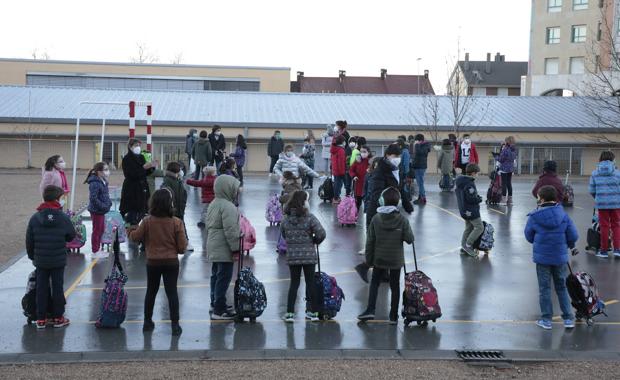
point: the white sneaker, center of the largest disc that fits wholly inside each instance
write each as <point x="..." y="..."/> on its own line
<point x="190" y="247"/>
<point x="362" y="251"/>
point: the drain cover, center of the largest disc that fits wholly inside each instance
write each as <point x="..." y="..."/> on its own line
<point x="481" y="356"/>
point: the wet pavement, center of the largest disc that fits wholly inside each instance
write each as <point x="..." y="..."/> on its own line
<point x="489" y="303"/>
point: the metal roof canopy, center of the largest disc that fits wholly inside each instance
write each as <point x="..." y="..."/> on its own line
<point x="297" y="110"/>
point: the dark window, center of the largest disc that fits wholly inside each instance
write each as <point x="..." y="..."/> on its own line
<point x="491" y="91"/>
<point x="229" y="85"/>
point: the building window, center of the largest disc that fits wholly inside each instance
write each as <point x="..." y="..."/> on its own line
<point x="576" y="65"/>
<point x="580" y="5"/>
<point x="552" y="66"/>
<point x="553" y="35"/>
<point x="554" y="6"/>
<point x="578" y="33"/>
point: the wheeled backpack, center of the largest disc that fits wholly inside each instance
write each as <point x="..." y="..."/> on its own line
<point x="29" y="301"/>
<point x="273" y="212"/>
<point x="80" y="233"/>
<point x="486" y="239"/>
<point x="584" y="296"/>
<point x="329" y="293"/>
<point x="113" y="307"/>
<point x="326" y="190"/>
<point x="494" y="193"/>
<point x="250" y="296"/>
<point x="346" y="212"/>
<point x="420" y="300"/>
<point x="281" y="245"/>
<point x="568" y="194"/>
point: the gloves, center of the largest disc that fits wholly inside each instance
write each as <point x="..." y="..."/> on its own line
<point x="574" y="251"/>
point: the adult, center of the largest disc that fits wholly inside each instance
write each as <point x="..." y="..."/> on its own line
<point x="326" y="143"/>
<point x="289" y="162"/>
<point x="420" y="162"/>
<point x="275" y="147"/>
<point x="53" y="174"/>
<point x="218" y="145"/>
<point x="135" y="191"/>
<point x="507" y="157"/>
<point x="202" y="152"/>
<point x="455" y="144"/>
<point x="465" y="153"/>
<point x="605" y="189"/>
<point x="385" y="175"/>
<point x="307" y="155"/>
<point x="550" y="178"/>
<point x="190" y="140"/>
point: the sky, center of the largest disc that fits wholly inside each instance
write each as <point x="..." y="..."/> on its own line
<point x="318" y="37"/>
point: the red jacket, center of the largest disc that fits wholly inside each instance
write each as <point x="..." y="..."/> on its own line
<point x="358" y="169"/>
<point x="550" y="179"/>
<point x="473" y="155"/>
<point x="338" y="160"/>
<point x="207" y="187"/>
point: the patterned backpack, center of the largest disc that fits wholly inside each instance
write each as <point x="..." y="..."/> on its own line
<point x="113" y="297"/>
<point x="248" y="232"/>
<point x="249" y="295"/>
<point x="347" y="211"/>
<point x="80" y="238"/>
<point x="273" y="214"/>
<point x="114" y="222"/>
<point x="486" y="239"/>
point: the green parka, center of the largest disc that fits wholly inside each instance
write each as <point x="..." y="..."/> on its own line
<point x="386" y="234"/>
<point x="223" y="221"/>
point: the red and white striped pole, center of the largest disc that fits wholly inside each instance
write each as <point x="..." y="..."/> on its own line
<point x="149" y="127"/>
<point x="132" y="119"/>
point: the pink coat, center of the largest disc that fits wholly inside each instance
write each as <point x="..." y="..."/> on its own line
<point x="53" y="177"/>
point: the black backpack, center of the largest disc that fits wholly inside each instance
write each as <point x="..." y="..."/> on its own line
<point x="326" y="190"/>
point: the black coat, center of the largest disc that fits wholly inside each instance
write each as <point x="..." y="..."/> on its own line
<point x="275" y="147"/>
<point x="381" y="179"/>
<point x="135" y="193"/>
<point x="47" y="235"/>
<point x="467" y="197"/>
<point x="218" y="146"/>
<point x="420" y="157"/>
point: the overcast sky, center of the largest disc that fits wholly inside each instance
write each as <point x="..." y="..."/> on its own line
<point x="318" y="37"/>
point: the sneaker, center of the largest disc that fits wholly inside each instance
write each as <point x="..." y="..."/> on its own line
<point x="417" y="201"/>
<point x="201" y="225"/>
<point x="366" y="316"/>
<point x="225" y="316"/>
<point x="312" y="316"/>
<point x="616" y="252"/>
<point x="362" y="270"/>
<point x="59" y="322"/>
<point x="362" y="251"/>
<point x="190" y="247"/>
<point x="41" y="324"/>
<point x="176" y="329"/>
<point x="289" y="318"/>
<point x="148" y="325"/>
<point x="336" y="201"/>
<point x="229" y="308"/>
<point x="469" y="250"/>
<point x="393" y="318"/>
<point x="602" y="254"/>
<point x="569" y="324"/>
<point x="544" y="324"/>
<point x="509" y="200"/>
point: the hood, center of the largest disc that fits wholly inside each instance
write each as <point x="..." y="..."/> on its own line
<point x="48" y="216"/>
<point x="288" y="182"/>
<point x="447" y="148"/>
<point x="93" y="178"/>
<point x="389" y="218"/>
<point x="548" y="217"/>
<point x="548" y="174"/>
<point x="226" y="187"/>
<point x="49" y="205"/>
<point x="172" y="175"/>
<point x="605" y="168"/>
<point x="463" y="180"/>
<point x="202" y="141"/>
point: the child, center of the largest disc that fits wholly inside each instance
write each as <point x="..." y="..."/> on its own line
<point x="53" y="173"/>
<point x="99" y="202"/>
<point x="338" y="166"/>
<point x="302" y="231"/>
<point x="605" y="189"/>
<point x="239" y="156"/>
<point x="469" y="206"/>
<point x="445" y="161"/>
<point x="552" y="232"/>
<point x="164" y="237"/>
<point x="357" y="172"/>
<point x="307" y="155"/>
<point x="223" y="234"/>
<point x="290" y="184"/>
<point x="384" y="251"/>
<point x="229" y="167"/>
<point x="47" y="235"/>
<point x="173" y="182"/>
<point x="207" y="191"/>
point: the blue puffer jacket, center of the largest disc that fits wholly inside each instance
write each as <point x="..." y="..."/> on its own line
<point x="605" y="186"/>
<point x="99" y="196"/>
<point x="507" y="158"/>
<point x="552" y="232"/>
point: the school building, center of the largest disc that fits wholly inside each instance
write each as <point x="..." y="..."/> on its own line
<point x="39" y="121"/>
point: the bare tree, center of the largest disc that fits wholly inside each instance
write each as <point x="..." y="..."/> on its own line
<point x="144" y="55"/>
<point x="430" y="110"/>
<point x="36" y="55"/>
<point x="177" y="59"/>
<point x="29" y="130"/>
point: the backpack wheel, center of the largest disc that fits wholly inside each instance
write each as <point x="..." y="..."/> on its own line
<point x="407" y="322"/>
<point x="590" y="321"/>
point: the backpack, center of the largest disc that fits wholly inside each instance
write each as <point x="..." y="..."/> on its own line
<point x="273" y="213"/>
<point x="494" y="193"/>
<point x="250" y="297"/>
<point x="420" y="299"/>
<point x="29" y="300"/>
<point x="114" y="222"/>
<point x="113" y="297"/>
<point x="248" y="232"/>
<point x="347" y="211"/>
<point x="80" y="229"/>
<point x="568" y="194"/>
<point x="584" y="295"/>
<point x="329" y="293"/>
<point x="485" y="240"/>
<point x="326" y="190"/>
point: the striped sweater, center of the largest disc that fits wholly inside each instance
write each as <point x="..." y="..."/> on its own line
<point x="605" y="186"/>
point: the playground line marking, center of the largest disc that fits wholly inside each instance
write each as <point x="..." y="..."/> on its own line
<point x="80" y="278"/>
<point x="444" y="210"/>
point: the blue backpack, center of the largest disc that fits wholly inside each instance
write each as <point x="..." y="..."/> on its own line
<point x="113" y="298"/>
<point x="329" y="293"/>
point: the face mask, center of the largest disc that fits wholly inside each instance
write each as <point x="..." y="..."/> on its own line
<point x="195" y="135"/>
<point x="306" y="205"/>
<point x="364" y="155"/>
<point x="352" y="145"/>
<point x="106" y="173"/>
<point x="395" y="161"/>
<point x="467" y="141"/>
<point x="61" y="164"/>
<point x="62" y="203"/>
<point x="278" y="136"/>
<point x="289" y="154"/>
<point x="358" y="158"/>
<point x="217" y="133"/>
<point x="336" y="129"/>
<point x="181" y="174"/>
<point x="136" y="150"/>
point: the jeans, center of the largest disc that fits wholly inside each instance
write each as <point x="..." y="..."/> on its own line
<point x="197" y="172"/>
<point x="308" y="270"/>
<point x="545" y="274"/>
<point x="338" y="182"/>
<point x="98" y="228"/>
<point x="507" y="184"/>
<point x="377" y="275"/>
<point x="445" y="180"/>
<point x="609" y="219"/>
<point x="43" y="289"/>
<point x="221" y="274"/>
<point x="419" y="178"/>
<point x="240" y="173"/>
<point x="274" y="159"/>
<point x="154" y="273"/>
<point x="473" y="230"/>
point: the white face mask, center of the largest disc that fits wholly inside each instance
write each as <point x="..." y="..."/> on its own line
<point x="364" y="154"/>
<point x="352" y="145"/>
<point x="61" y="165"/>
<point x="467" y="141"/>
<point x="181" y="174"/>
<point x="217" y="133"/>
<point x="289" y="154"/>
<point x="307" y="205"/>
<point x="336" y="129"/>
<point x="395" y="161"/>
<point x="106" y="173"/>
<point x="136" y="150"/>
<point x="62" y="203"/>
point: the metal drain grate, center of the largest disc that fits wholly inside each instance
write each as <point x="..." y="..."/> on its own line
<point x="481" y="356"/>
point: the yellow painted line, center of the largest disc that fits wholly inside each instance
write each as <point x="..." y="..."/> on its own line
<point x="80" y="278"/>
<point x="607" y="303"/>
<point x="444" y="210"/>
<point x="495" y="210"/>
<point x="578" y="207"/>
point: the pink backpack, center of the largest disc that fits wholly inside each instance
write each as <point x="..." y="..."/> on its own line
<point x="347" y="211"/>
<point x="249" y="234"/>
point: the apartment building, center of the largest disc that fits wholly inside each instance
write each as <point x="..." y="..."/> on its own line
<point x="495" y="77"/>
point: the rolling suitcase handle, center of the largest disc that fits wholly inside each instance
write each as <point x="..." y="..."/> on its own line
<point x="415" y="258"/>
<point x="116" y="250"/>
<point x="318" y="257"/>
<point x="240" y="257"/>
